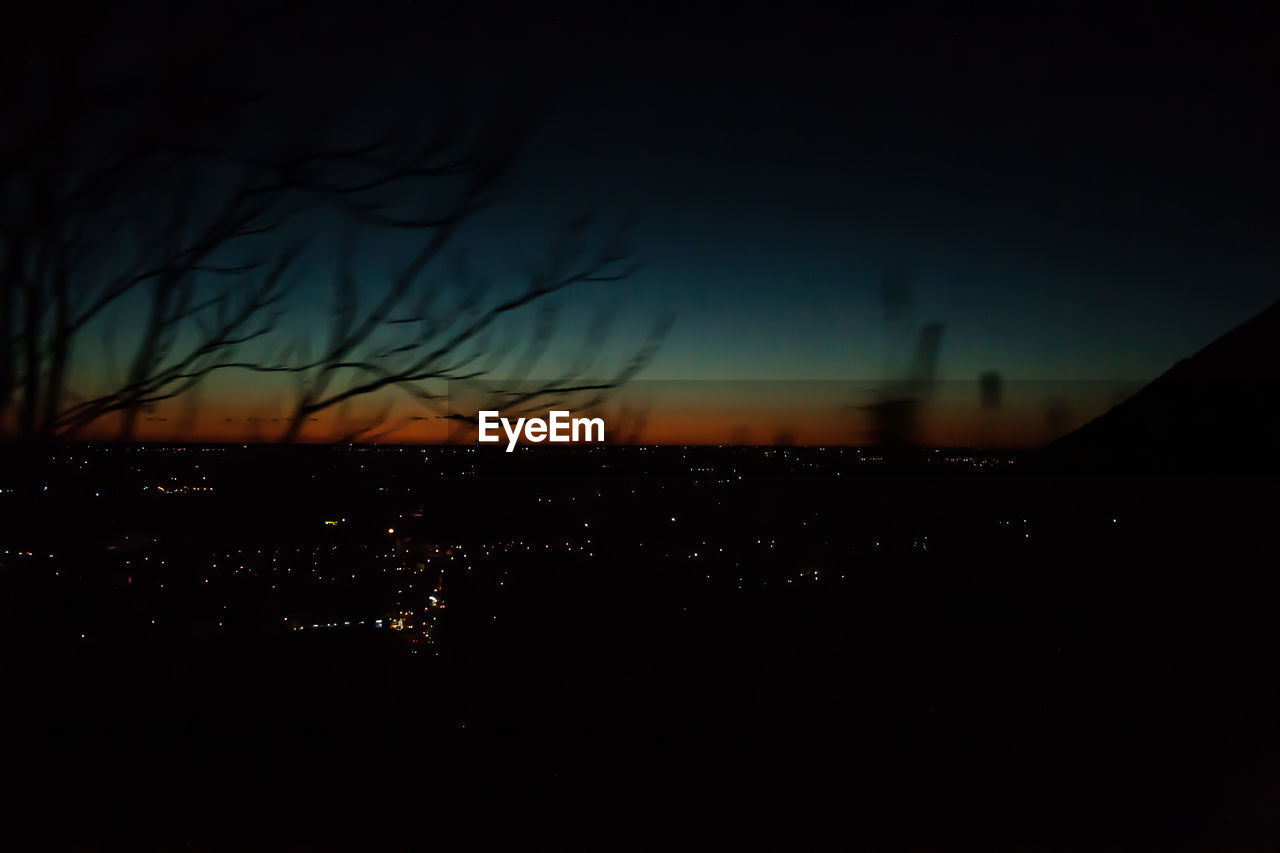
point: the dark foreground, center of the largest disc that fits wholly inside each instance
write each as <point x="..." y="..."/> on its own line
<point x="633" y="649"/>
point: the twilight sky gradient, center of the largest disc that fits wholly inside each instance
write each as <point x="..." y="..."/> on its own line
<point x="1076" y="194"/>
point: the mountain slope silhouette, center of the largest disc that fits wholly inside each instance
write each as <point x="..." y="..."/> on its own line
<point x="1216" y="411"/>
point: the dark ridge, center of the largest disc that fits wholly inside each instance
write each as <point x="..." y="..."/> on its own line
<point x="1213" y="412"/>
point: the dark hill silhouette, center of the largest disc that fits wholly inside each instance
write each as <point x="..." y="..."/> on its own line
<point x="1216" y="411"/>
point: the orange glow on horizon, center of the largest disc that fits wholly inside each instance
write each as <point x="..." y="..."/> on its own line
<point x="739" y="427"/>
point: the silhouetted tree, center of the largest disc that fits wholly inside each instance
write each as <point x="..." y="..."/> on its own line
<point x="134" y="193"/>
<point x="412" y="339"/>
<point x="895" y="412"/>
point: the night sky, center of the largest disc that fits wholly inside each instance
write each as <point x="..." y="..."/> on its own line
<point x="1076" y="194"/>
